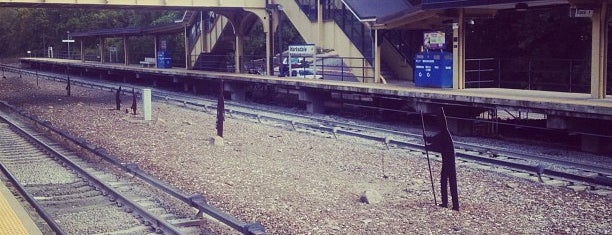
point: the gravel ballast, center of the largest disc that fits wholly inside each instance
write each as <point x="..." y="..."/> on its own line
<point x="298" y="183"/>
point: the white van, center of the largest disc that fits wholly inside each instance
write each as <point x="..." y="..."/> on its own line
<point x="305" y="73"/>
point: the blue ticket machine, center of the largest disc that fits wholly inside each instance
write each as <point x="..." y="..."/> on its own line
<point x="164" y="59"/>
<point x="433" y="69"/>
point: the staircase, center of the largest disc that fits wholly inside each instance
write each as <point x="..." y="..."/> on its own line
<point x="350" y="38"/>
<point x="221" y="40"/>
<point x="345" y="35"/>
<point x="397" y="51"/>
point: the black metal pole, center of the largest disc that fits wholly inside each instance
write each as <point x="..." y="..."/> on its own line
<point x="428" y="163"/>
<point x="36" y="67"/>
<point x="68" y="85"/>
<point x="118" y="99"/>
<point x="133" y="101"/>
<point x="220" y="110"/>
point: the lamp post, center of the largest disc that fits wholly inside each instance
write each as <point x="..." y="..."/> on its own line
<point x="68" y="40"/>
<point x="280" y="40"/>
<point x="68" y="32"/>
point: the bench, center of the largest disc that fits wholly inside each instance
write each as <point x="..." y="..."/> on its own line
<point x="148" y="62"/>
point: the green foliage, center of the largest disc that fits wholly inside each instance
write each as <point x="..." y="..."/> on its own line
<point x="256" y="45"/>
<point x="35" y="29"/>
<point x="290" y="34"/>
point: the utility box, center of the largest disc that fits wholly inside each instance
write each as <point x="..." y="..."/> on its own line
<point x="164" y="59"/>
<point x="146" y="104"/>
<point x="433" y="69"/>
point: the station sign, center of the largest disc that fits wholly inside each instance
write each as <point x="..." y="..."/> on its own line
<point x="68" y="40"/>
<point x="302" y="50"/>
<point x="435" y="40"/>
<point x="581" y="13"/>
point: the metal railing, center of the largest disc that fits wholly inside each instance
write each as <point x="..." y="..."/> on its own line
<point x="481" y="72"/>
<point x="565" y="75"/>
<point x="211" y="62"/>
<point x="195" y="32"/>
<point x="335" y="10"/>
<point x="352" y="69"/>
<point x="311" y="8"/>
<point x="406" y="43"/>
<point x="355" y="30"/>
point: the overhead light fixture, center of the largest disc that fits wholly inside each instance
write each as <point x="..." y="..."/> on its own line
<point x="521" y="6"/>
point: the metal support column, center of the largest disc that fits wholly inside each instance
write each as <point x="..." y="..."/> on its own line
<point x="319" y="24"/>
<point x="239" y="51"/>
<point x="377" y="48"/>
<point x="203" y="32"/>
<point x="599" y="51"/>
<point x="187" y="49"/>
<point x="156" y="41"/>
<point x="268" y="32"/>
<point x="82" y="51"/>
<point x="126" y="53"/>
<point x="101" y="47"/>
<point x="459" y="52"/>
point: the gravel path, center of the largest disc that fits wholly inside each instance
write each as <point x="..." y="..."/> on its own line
<point x="296" y="183"/>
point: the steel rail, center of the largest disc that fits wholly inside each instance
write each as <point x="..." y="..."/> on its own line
<point x="357" y="131"/>
<point x="153" y="220"/>
<point x="197" y="201"/>
<point x="39" y="209"/>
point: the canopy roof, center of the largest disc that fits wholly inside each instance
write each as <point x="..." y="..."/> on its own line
<point x="368" y="10"/>
<point x="133" y="31"/>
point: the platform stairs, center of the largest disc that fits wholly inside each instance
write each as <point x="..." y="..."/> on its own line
<point x="219" y="49"/>
<point x="211" y="41"/>
<point x="350" y="38"/>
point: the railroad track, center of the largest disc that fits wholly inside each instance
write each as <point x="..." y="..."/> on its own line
<point x="76" y="196"/>
<point x="514" y="162"/>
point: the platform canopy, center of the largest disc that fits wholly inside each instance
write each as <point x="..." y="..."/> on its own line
<point x="489" y="4"/>
<point x="133" y="31"/>
<point x="427" y="14"/>
<point x="366" y="10"/>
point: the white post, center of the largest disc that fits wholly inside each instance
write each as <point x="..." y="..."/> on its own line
<point x="288" y="64"/>
<point x="146" y="104"/>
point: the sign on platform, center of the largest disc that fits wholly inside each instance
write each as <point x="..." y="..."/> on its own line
<point x="302" y="50"/>
<point x="434" y="40"/>
<point x="583" y="13"/>
<point x="68" y="40"/>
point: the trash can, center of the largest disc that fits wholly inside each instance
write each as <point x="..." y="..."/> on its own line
<point x="164" y="59"/>
<point x="433" y="69"/>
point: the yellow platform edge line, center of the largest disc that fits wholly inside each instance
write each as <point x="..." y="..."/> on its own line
<point x="14" y="220"/>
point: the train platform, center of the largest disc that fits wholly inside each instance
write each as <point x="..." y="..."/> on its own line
<point x="574" y="112"/>
<point x="14" y="220"/>
<point x="570" y="104"/>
